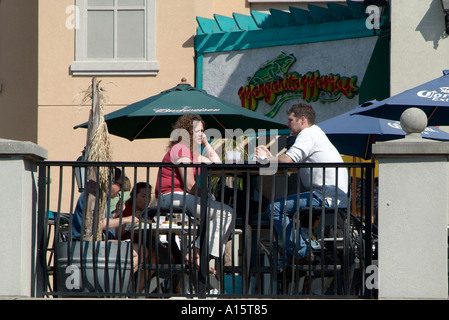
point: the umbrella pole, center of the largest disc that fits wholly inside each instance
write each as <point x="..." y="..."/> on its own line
<point x="368" y="143"/>
<point x="222" y="125"/>
<point x="143" y="128"/>
<point x="431" y="114"/>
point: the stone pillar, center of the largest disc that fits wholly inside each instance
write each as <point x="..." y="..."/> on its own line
<point x="18" y="204"/>
<point x="413" y="213"/>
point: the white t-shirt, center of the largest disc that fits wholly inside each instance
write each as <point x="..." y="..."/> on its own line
<point x="312" y="145"/>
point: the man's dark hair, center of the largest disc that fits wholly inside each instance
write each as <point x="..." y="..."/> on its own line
<point x="117" y="174"/>
<point x="303" y="109"/>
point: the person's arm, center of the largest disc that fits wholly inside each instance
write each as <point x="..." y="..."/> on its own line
<point x="284" y="158"/>
<point x="262" y="153"/>
<point x="188" y="176"/>
<point x="114" y="223"/>
<point x="180" y="154"/>
<point x="211" y="155"/>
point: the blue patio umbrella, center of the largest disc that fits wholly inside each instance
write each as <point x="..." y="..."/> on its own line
<point x="432" y="97"/>
<point x="353" y="135"/>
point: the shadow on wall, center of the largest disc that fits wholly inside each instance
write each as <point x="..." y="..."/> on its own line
<point x="432" y="25"/>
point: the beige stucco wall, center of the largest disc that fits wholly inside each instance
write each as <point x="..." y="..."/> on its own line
<point x="419" y="45"/>
<point x="18" y="70"/>
<point x="60" y="93"/>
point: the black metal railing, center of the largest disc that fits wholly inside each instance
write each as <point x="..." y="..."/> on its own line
<point x="150" y="262"/>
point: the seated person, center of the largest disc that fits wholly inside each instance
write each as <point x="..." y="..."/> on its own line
<point x="142" y="200"/>
<point x="112" y="223"/>
<point x="187" y="150"/>
<point x="310" y="146"/>
<point x="126" y="189"/>
<point x="142" y="197"/>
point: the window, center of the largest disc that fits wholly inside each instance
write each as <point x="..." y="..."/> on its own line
<point x="115" y="37"/>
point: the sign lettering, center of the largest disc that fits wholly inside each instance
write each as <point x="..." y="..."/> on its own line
<point x="272" y="81"/>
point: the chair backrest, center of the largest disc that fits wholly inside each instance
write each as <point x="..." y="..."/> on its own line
<point x="64" y="222"/>
<point x="330" y="213"/>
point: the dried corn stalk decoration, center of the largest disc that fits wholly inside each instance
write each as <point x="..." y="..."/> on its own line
<point x="98" y="149"/>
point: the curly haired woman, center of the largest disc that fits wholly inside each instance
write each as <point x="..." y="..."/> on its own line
<point x="189" y="130"/>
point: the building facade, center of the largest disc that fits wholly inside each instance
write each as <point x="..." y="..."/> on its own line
<point x="51" y="49"/>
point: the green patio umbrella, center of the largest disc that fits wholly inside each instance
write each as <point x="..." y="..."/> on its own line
<point x="153" y="117"/>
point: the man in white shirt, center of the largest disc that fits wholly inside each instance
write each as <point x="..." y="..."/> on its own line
<point x="311" y="146"/>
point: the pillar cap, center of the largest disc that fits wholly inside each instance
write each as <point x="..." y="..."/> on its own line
<point x="22" y="148"/>
<point x="413" y="122"/>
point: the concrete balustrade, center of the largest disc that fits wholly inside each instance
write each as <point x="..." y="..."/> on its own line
<point x="413" y="213"/>
<point x="18" y="204"/>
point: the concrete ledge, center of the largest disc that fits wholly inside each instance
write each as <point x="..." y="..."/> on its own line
<point x="408" y="147"/>
<point x="10" y="148"/>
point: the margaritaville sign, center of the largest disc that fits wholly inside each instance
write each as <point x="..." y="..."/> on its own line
<point x="275" y="86"/>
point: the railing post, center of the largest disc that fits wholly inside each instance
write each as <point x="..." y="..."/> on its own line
<point x="41" y="237"/>
<point x="367" y="228"/>
<point x="204" y="261"/>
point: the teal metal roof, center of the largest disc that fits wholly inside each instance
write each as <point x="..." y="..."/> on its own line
<point x="334" y="22"/>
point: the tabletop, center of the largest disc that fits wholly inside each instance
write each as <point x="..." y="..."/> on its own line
<point x="164" y="227"/>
